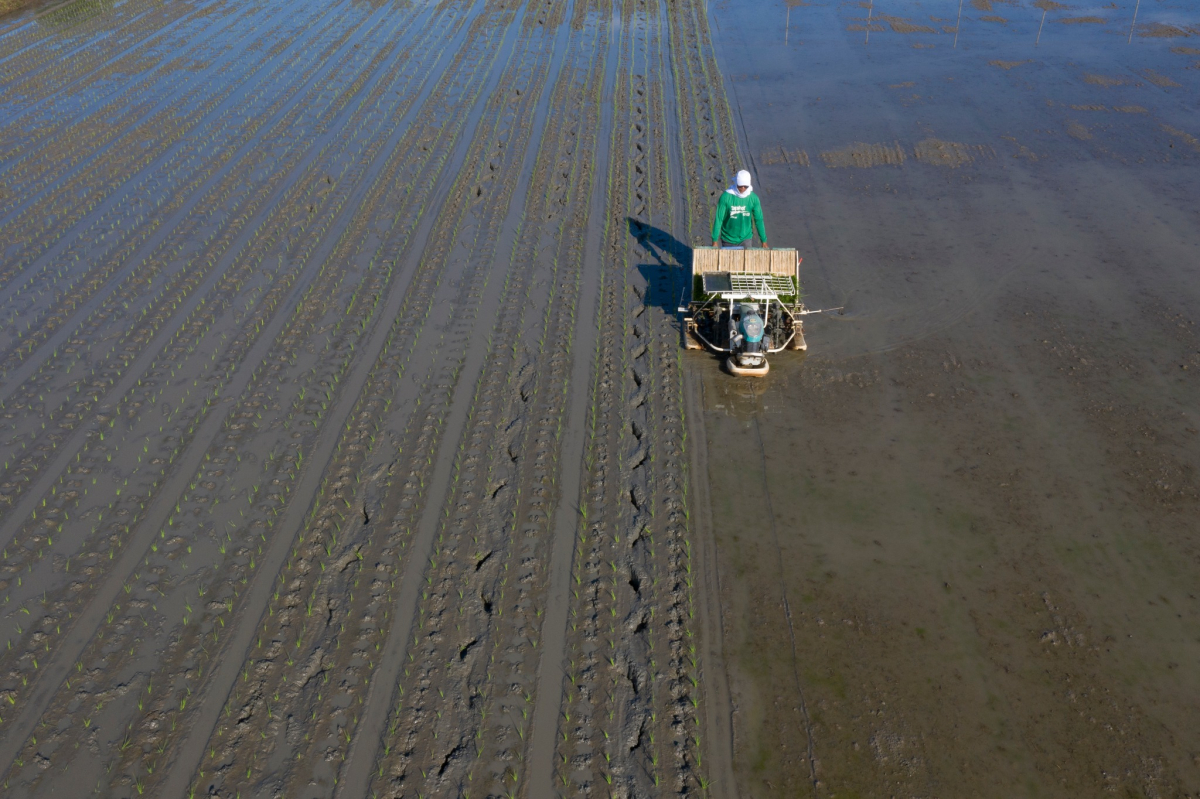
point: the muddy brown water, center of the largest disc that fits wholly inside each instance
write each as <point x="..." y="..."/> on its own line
<point x="957" y="543"/>
<point x="349" y="448"/>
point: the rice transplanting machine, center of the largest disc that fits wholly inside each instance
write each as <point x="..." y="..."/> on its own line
<point x="745" y="303"/>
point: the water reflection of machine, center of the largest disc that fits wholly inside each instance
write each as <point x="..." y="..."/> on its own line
<point x="746" y="304"/>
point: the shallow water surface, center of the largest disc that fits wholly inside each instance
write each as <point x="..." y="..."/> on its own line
<point x="957" y="542"/>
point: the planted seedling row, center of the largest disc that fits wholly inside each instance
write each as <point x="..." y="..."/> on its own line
<point x="62" y="206"/>
<point x="379" y="183"/>
<point x="48" y="43"/>
<point x="291" y="210"/>
<point x="628" y="703"/>
<point x="591" y="636"/>
<point x="113" y="91"/>
<point x="485" y="575"/>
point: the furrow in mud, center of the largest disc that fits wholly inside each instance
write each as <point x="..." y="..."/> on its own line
<point x="630" y="720"/>
<point x="339" y="642"/>
<point x="69" y="383"/>
<point x="54" y="116"/>
<point x="43" y="225"/>
<point x="62" y="42"/>
<point x="486" y="575"/>
<point x="425" y="147"/>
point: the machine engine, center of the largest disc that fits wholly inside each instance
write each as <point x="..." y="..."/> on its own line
<point x="749" y="340"/>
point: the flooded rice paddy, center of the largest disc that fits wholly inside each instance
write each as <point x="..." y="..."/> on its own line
<point x="958" y="544"/>
<point x="349" y="448"/>
<point x="343" y="443"/>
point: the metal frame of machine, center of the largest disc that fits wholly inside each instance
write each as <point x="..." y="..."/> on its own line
<point x="736" y="285"/>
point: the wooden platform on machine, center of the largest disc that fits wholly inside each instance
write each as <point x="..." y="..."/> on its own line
<point x="782" y="261"/>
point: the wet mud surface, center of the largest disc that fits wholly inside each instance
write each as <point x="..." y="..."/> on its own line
<point x="956" y="545"/>
<point x="349" y="448"/>
<point x="344" y="433"/>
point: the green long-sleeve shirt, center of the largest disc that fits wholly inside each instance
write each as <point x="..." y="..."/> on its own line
<point x="737" y="218"/>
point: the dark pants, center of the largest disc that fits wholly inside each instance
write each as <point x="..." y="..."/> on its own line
<point x="743" y="244"/>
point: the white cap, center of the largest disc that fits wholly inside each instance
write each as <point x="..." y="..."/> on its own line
<point x="743" y="178"/>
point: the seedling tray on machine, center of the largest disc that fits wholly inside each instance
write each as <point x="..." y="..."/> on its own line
<point x="731" y="269"/>
<point x="728" y="274"/>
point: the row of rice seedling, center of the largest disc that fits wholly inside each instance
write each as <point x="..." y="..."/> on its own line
<point x="330" y="633"/>
<point x="708" y="143"/>
<point x="30" y="47"/>
<point x="486" y="574"/>
<point x="178" y="449"/>
<point x="55" y="210"/>
<point x="629" y="720"/>
<point x="110" y="89"/>
<point x="229" y="206"/>
<point x="592" y="637"/>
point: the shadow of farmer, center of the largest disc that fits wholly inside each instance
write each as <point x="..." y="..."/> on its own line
<point x="666" y="264"/>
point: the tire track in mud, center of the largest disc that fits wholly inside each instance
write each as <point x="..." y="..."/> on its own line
<point x="593" y="744"/>
<point x="566" y="517"/>
<point x="630" y="717"/>
<point x="505" y="475"/>
<point x="717" y="721"/>
<point x="439" y="122"/>
<point x="499" y="198"/>
<point x="422" y="139"/>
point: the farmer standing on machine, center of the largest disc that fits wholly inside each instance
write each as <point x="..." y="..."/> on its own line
<point x="739" y="215"/>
